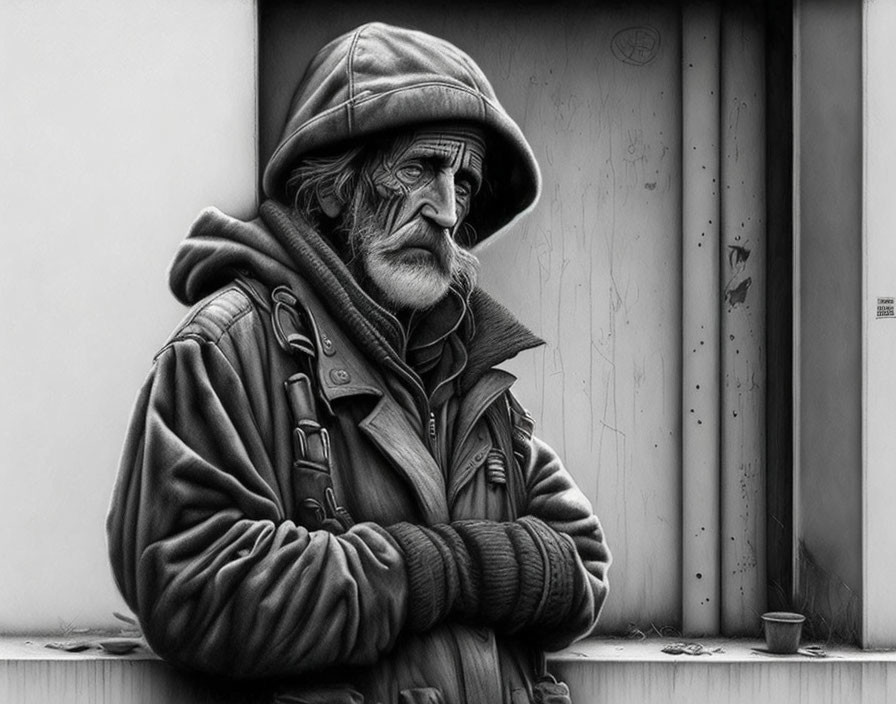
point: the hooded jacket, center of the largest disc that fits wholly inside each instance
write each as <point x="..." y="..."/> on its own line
<point x="467" y="548"/>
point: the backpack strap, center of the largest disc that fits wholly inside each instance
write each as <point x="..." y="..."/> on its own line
<point x="313" y="463"/>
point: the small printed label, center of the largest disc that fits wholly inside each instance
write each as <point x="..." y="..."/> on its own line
<point x="886" y="307"/>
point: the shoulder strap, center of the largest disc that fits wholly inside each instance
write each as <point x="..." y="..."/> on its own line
<point x="311" y="441"/>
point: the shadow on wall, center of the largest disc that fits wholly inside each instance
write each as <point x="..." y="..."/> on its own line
<point x="831" y="607"/>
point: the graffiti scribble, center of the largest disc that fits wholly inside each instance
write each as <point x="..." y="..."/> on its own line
<point x="637" y="46"/>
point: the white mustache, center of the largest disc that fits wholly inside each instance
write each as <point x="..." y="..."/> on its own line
<point x="420" y="234"/>
<point x="438" y="241"/>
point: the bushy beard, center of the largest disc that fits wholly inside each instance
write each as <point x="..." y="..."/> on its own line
<point x="411" y="268"/>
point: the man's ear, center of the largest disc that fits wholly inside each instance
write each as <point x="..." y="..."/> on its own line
<point x="330" y="205"/>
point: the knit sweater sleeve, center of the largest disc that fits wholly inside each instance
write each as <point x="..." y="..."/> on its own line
<point x="202" y="551"/>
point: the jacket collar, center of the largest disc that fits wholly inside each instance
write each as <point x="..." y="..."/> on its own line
<point x="498" y="336"/>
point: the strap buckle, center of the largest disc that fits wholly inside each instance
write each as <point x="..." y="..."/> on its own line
<point x="287" y="323"/>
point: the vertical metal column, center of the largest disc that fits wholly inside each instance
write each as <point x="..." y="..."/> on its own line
<point x="743" y="319"/>
<point x="700" y="73"/>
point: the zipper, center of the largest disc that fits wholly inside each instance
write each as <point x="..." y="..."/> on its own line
<point x="432" y="431"/>
<point x="433" y="435"/>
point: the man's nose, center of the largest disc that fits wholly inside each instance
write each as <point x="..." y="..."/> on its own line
<point x="439" y="205"/>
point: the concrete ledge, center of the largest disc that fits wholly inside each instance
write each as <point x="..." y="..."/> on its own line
<point x="598" y="671"/>
<point x="32" y="673"/>
<point x="608" y="671"/>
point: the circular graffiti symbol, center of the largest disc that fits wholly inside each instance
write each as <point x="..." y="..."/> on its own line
<point x="636" y="45"/>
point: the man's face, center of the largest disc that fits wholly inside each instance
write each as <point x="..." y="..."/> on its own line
<point x="422" y="185"/>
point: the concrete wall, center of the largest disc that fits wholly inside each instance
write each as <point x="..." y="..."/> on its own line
<point x="828" y="317"/>
<point x="120" y="121"/>
<point x="879" y="389"/>
<point x="125" y="119"/>
<point x="139" y="115"/>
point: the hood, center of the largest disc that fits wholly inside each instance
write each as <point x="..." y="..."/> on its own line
<point x="219" y="248"/>
<point x="379" y="78"/>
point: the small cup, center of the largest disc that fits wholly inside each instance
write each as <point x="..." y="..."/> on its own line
<point x="782" y="631"/>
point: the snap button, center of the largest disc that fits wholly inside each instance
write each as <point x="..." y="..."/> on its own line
<point x="327" y="344"/>
<point x="340" y="376"/>
<point x="478" y="457"/>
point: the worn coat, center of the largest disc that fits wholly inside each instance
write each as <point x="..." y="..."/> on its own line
<point x="203" y="530"/>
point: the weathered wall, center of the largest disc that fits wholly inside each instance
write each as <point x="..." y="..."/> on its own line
<point x="828" y="127"/>
<point x="879" y="339"/>
<point x="120" y="121"/>
<point x="595" y="269"/>
<point x="596" y="272"/>
<point x="158" y="121"/>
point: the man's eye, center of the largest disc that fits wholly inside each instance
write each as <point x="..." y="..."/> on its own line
<point x="463" y="189"/>
<point x="410" y="172"/>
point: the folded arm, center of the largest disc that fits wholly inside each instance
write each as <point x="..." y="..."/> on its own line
<point x="204" y="554"/>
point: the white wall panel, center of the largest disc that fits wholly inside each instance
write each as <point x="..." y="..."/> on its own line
<point x="879" y="333"/>
<point x="120" y="120"/>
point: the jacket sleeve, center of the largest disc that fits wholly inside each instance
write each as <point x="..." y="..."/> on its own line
<point x="221" y="581"/>
<point x="553" y="497"/>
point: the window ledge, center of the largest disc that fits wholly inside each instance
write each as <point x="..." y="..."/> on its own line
<point x="611" y="671"/>
<point x="727" y="650"/>
<point x="604" y="670"/>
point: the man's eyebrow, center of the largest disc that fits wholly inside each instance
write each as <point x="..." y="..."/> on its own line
<point x="431" y="150"/>
<point x="443" y="151"/>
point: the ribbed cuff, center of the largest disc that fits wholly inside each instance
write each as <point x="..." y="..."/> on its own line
<point x="531" y="577"/>
<point x="559" y="559"/>
<point x="469" y="577"/>
<point x="491" y="550"/>
<point x="432" y="579"/>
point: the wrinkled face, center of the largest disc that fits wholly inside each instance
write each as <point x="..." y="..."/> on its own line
<point x="422" y="185"/>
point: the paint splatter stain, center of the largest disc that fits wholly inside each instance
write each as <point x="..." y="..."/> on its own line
<point x="738" y="294"/>
<point x="738" y="256"/>
<point x="737" y="287"/>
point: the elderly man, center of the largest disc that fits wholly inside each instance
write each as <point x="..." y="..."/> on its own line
<point x="327" y="485"/>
